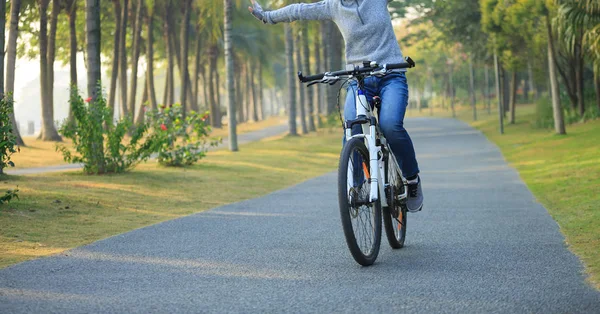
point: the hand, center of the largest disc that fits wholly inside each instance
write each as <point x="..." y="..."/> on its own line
<point x="257" y="11"/>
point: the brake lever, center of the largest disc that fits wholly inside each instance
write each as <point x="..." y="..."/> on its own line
<point x="313" y="83"/>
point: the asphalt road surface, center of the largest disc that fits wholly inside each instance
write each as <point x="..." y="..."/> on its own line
<point x="481" y="245"/>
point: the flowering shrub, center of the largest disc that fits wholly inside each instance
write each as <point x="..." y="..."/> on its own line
<point x="8" y="141"/>
<point x="98" y="142"/>
<point x="181" y="141"/>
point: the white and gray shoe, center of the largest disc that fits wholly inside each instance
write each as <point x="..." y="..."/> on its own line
<point x="415" y="196"/>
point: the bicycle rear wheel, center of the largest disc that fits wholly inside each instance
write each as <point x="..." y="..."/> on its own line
<point x="361" y="219"/>
<point x="394" y="216"/>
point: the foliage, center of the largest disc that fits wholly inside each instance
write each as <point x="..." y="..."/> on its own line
<point x="98" y="142"/>
<point x="8" y="141"/>
<point x="180" y="140"/>
<point x="544" y="118"/>
<point x="9" y="195"/>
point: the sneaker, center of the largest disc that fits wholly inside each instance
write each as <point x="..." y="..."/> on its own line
<point x="415" y="196"/>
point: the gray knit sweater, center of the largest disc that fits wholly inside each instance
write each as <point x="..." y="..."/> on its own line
<point x="365" y="25"/>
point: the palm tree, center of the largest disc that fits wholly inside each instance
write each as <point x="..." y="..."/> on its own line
<point x="233" y="145"/>
<point x="579" y="23"/>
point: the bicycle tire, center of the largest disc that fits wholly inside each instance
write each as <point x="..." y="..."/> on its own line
<point x="347" y="210"/>
<point x="394" y="215"/>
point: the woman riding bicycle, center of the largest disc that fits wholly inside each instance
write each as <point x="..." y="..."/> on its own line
<point x="369" y="36"/>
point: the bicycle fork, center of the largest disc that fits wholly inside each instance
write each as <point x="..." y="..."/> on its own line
<point x="376" y="165"/>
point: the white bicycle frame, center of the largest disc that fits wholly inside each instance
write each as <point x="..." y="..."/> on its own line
<point x="376" y="164"/>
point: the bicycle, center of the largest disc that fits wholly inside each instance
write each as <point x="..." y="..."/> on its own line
<point x="365" y="158"/>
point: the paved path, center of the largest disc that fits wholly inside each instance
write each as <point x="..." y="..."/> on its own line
<point x="481" y="245"/>
<point x="242" y="139"/>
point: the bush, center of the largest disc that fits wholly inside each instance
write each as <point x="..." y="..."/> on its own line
<point x="544" y="114"/>
<point x="9" y="195"/>
<point x="181" y="141"/>
<point x="98" y="142"/>
<point x="8" y="141"/>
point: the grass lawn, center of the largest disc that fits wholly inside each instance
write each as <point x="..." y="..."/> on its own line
<point x="563" y="172"/>
<point x="41" y="154"/>
<point x="63" y="210"/>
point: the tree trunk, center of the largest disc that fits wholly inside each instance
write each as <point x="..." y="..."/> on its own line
<point x="301" y="89"/>
<point x="260" y="105"/>
<point x="52" y="50"/>
<point x="141" y="115"/>
<point x="451" y="85"/>
<point x="559" y="122"/>
<point x="487" y="89"/>
<point x="150" y="60"/>
<point x="166" y="88"/>
<point x="318" y="103"/>
<point x="530" y="81"/>
<point x="211" y="93"/>
<point x="184" y="55"/>
<point x="291" y="79"/>
<point x="93" y="42"/>
<point x="569" y="78"/>
<point x="597" y="86"/>
<point x="248" y="97"/>
<point x="123" y="63"/>
<point x="498" y="94"/>
<point x="309" y="91"/>
<point x="204" y="91"/>
<point x="233" y="145"/>
<point x="238" y="90"/>
<point x="2" y="45"/>
<point x="505" y="90"/>
<point x="11" y="56"/>
<point x="472" y="88"/>
<point x="72" y="13"/>
<point x="168" y="96"/>
<point x="335" y="64"/>
<point x="324" y="66"/>
<point x="137" y="43"/>
<point x="196" y="76"/>
<point x="48" y="132"/>
<point x="579" y="68"/>
<point x="252" y="85"/>
<point x="513" y="96"/>
<point x="115" y="58"/>
<point x="218" y="115"/>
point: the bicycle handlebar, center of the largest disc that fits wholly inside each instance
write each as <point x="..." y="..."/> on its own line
<point x="366" y="68"/>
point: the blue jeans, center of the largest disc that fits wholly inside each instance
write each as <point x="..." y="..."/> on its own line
<point x="393" y="91"/>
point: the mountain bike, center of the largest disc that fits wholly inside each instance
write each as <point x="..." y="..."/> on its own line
<point x="370" y="182"/>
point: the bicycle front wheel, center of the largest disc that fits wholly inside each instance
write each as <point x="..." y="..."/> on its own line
<point x="361" y="219"/>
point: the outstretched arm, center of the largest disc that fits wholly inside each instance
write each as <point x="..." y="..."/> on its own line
<point x="293" y="12"/>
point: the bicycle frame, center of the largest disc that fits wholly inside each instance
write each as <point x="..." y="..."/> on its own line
<point x="364" y="115"/>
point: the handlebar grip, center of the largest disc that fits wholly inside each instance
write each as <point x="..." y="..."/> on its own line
<point x="405" y="65"/>
<point x="306" y="79"/>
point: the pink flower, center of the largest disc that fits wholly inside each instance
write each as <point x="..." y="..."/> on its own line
<point x="88" y="99"/>
<point x="163" y="127"/>
<point x="204" y="117"/>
